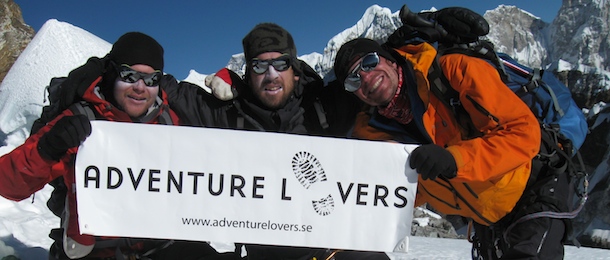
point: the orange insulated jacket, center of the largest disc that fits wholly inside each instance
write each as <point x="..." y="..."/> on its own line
<point x="493" y="168"/>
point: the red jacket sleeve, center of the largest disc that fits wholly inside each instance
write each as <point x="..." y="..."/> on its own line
<point x="23" y="171"/>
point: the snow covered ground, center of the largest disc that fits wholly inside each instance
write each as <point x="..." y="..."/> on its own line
<point x="59" y="47"/>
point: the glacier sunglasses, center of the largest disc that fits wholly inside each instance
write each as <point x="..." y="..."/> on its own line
<point x="369" y="62"/>
<point x="129" y="75"/>
<point x="281" y="63"/>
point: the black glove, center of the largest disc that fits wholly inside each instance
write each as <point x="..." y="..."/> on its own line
<point x="463" y="23"/>
<point x="431" y="160"/>
<point x="68" y="132"/>
<point x="457" y="24"/>
<point x="79" y="80"/>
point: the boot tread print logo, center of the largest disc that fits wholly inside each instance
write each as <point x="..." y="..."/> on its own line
<point x="308" y="171"/>
<point x="324" y="206"/>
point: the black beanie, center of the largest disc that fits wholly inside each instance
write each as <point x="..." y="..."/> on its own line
<point x="268" y="37"/>
<point x="137" y="48"/>
<point x="353" y="50"/>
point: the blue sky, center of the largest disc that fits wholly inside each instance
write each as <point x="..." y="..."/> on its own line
<point x="202" y="35"/>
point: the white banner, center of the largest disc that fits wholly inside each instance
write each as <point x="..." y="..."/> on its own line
<point x="156" y="181"/>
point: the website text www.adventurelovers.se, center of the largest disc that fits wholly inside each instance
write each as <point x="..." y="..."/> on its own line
<point x="263" y="225"/>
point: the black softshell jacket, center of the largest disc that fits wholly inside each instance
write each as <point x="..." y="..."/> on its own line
<point x="333" y="117"/>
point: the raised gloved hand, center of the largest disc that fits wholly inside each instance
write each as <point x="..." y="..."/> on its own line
<point x="457" y="24"/>
<point x="465" y="24"/>
<point x="68" y="132"/>
<point x="431" y="160"/>
<point x="221" y="84"/>
<point x="79" y="80"/>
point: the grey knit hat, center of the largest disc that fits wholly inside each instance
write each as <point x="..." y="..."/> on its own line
<point x="268" y="37"/>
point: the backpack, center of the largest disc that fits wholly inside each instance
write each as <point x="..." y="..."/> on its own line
<point x="548" y="98"/>
<point x="53" y="109"/>
<point x="563" y="125"/>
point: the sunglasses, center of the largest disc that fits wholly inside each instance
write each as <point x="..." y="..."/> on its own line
<point x="281" y="63"/>
<point x="353" y="81"/>
<point x="129" y="75"/>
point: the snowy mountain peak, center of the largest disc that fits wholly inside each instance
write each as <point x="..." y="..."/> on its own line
<point x="512" y="10"/>
<point x="580" y="33"/>
<point x="376" y="23"/>
<point x="519" y="34"/>
<point x="55" y="50"/>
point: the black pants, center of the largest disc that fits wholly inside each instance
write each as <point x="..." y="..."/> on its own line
<point x="521" y="235"/>
<point x="357" y="255"/>
<point x="540" y="238"/>
<point x="191" y="250"/>
<point x="264" y="252"/>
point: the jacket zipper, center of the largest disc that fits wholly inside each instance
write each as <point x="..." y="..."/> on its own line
<point x="484" y="111"/>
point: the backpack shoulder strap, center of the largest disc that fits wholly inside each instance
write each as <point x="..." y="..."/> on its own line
<point x="317" y="104"/>
<point x="442" y="89"/>
<point x="83" y="108"/>
<point x="242" y="117"/>
<point x="440" y="86"/>
<point x="482" y="49"/>
<point x="165" y="118"/>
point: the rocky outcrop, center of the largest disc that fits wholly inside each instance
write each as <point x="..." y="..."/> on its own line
<point x="428" y="224"/>
<point x="518" y="34"/>
<point x="580" y="35"/>
<point x="14" y="35"/>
